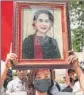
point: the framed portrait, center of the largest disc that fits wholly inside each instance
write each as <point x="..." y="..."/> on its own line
<point x="40" y="36"/>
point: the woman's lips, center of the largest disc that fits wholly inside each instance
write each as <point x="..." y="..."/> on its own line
<point x="43" y="28"/>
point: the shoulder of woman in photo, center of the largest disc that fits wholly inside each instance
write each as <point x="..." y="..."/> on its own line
<point x="51" y="41"/>
<point x="30" y="37"/>
<point x="28" y="47"/>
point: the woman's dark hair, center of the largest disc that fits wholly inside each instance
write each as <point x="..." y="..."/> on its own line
<point x="37" y="13"/>
<point x="70" y="71"/>
<point x="32" y="76"/>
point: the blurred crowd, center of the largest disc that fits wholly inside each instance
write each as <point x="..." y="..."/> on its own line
<point x="40" y="81"/>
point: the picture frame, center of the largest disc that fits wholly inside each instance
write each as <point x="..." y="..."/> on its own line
<point x="24" y="27"/>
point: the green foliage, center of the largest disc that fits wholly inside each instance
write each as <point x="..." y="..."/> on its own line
<point x="76" y="10"/>
<point x="78" y="39"/>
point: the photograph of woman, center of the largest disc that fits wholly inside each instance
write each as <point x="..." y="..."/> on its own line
<point x="39" y="45"/>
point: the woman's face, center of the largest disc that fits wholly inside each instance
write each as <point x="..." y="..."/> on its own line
<point x="42" y="81"/>
<point x="43" y="24"/>
<point x="73" y="75"/>
<point x="22" y="74"/>
<point x="43" y="74"/>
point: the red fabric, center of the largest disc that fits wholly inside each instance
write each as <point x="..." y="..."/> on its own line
<point x="6" y="27"/>
<point x="37" y="49"/>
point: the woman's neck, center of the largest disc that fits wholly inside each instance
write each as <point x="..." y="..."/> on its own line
<point x="39" y="93"/>
<point x="40" y="34"/>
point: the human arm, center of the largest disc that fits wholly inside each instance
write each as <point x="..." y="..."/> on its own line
<point x="73" y="60"/>
<point x="11" y="57"/>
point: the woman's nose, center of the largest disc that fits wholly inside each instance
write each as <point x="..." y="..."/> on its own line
<point x="21" y="71"/>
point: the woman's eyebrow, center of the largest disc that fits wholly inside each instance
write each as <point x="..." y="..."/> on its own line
<point x="47" y="74"/>
<point x="38" y="75"/>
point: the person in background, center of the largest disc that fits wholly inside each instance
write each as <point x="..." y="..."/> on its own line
<point x="19" y="83"/>
<point x="41" y="82"/>
<point x="77" y="88"/>
<point x="9" y="77"/>
<point x="73" y="60"/>
<point x="72" y="78"/>
<point x="11" y="58"/>
<point x="56" y="84"/>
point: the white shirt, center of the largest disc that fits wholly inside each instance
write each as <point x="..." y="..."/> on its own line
<point x="77" y="89"/>
<point x="19" y="93"/>
<point x="3" y="91"/>
<point x="54" y="89"/>
<point x="15" y="85"/>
